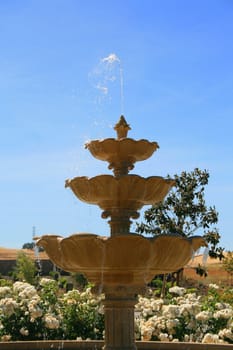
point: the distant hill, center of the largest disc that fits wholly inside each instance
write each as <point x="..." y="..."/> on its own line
<point x="200" y="259"/>
<point x="12" y="253"/>
<point x="215" y="270"/>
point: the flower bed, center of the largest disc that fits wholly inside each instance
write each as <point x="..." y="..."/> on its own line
<point x="46" y="312"/>
<point x="185" y="316"/>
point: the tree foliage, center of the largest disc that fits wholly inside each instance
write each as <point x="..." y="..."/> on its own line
<point x="25" y="269"/>
<point x="28" y="245"/>
<point x="184" y="211"/>
<point x="32" y="246"/>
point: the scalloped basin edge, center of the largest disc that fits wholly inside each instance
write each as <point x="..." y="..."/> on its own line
<point x="131" y="191"/>
<point x="127" y="259"/>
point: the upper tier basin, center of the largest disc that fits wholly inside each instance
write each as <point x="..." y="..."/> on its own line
<point x="130" y="259"/>
<point x="121" y="154"/>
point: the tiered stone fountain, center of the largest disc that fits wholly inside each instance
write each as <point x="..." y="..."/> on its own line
<point x="120" y="265"/>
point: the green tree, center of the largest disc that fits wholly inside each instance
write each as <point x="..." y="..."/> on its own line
<point x="184" y="211"/>
<point x="31" y="246"/>
<point x="28" y="245"/>
<point x="25" y="269"/>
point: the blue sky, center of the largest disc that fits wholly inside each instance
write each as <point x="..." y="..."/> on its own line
<point x="56" y="93"/>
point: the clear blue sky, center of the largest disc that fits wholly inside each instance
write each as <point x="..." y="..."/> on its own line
<point x="56" y="93"/>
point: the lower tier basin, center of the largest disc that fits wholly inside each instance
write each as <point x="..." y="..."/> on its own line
<point x="120" y="260"/>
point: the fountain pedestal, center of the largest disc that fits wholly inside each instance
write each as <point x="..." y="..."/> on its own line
<point x="119" y="320"/>
<point x="119" y="306"/>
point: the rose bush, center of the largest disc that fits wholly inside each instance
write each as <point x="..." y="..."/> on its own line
<point x="46" y="312"/>
<point x="185" y="316"/>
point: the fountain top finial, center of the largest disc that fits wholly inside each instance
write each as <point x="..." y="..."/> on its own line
<point x="122" y="128"/>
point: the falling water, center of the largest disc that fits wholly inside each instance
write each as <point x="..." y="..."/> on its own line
<point x="98" y="290"/>
<point x="205" y="256"/>
<point x="61" y="345"/>
<point x="122" y="90"/>
<point x="36" y="252"/>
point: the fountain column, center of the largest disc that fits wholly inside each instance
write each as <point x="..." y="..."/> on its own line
<point x="119" y="319"/>
<point x="120" y="220"/>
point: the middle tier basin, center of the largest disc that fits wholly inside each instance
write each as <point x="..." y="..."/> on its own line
<point x="130" y="191"/>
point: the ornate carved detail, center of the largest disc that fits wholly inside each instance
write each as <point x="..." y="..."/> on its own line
<point x="122" y="127"/>
<point x="121" y="153"/>
<point x="121" y="168"/>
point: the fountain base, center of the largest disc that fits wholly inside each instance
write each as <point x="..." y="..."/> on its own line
<point x="98" y="345"/>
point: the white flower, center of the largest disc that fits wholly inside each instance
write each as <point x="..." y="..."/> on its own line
<point x="72" y="297"/>
<point x="163" y="337"/>
<point x="5" y="291"/>
<point x="187" y="309"/>
<point x="203" y="316"/>
<point x="171" y="324"/>
<point x="28" y="292"/>
<point x="170" y="311"/>
<point x="45" y="281"/>
<point x="34" y="310"/>
<point x="156" y="304"/>
<point x="226" y="333"/>
<point x="24" y="331"/>
<point x="20" y="286"/>
<point x="213" y="286"/>
<point x="146" y="331"/>
<point x="211" y="338"/>
<point x="8" y="306"/>
<point x="147" y="312"/>
<point x="177" y="290"/>
<point x="51" y="322"/>
<point x="220" y="306"/>
<point x="224" y="313"/>
<point x="92" y="301"/>
<point x="6" y="337"/>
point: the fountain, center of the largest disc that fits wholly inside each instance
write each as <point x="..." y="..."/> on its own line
<point x="120" y="265"/>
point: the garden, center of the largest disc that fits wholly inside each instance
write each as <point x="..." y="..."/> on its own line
<point x="47" y="311"/>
